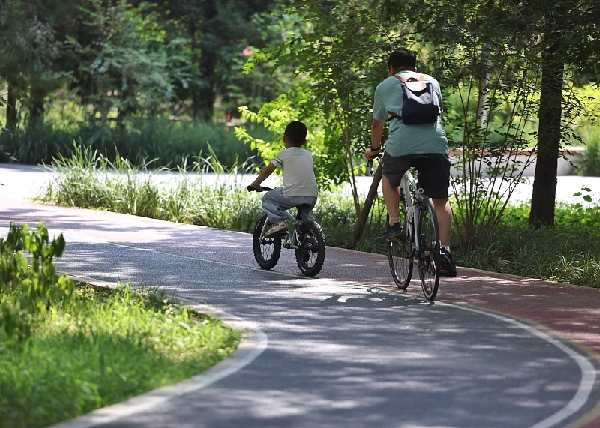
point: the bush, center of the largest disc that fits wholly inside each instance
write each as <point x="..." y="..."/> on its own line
<point x="162" y="142"/>
<point x="29" y="288"/>
<point x="590" y="165"/>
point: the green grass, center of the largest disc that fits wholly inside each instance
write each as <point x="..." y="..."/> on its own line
<point x="67" y="349"/>
<point x="111" y="345"/>
<point x="567" y="252"/>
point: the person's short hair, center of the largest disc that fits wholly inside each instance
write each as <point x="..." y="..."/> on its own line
<point x="296" y="132"/>
<point x="402" y="58"/>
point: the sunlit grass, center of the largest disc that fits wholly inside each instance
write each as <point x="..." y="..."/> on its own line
<point x="110" y="346"/>
<point x="566" y="252"/>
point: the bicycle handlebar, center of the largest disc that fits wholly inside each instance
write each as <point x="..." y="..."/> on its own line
<point x="254" y="189"/>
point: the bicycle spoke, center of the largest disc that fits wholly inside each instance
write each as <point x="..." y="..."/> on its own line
<point x="266" y="250"/>
<point x="400" y="260"/>
<point x="310" y="253"/>
<point x="429" y="250"/>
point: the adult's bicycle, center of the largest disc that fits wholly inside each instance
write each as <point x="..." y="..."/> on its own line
<point x="304" y="235"/>
<point x="419" y="246"/>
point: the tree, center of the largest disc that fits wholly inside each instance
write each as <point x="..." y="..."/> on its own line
<point x="569" y="37"/>
<point x="341" y="57"/>
<point x="217" y="34"/>
<point x="28" y="51"/>
<point x="335" y="49"/>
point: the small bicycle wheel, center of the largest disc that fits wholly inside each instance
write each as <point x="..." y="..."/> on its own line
<point x="266" y="250"/>
<point x="429" y="250"/>
<point x="310" y="253"/>
<point x="400" y="254"/>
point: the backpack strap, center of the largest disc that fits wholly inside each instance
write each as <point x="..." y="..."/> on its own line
<point x="415" y="84"/>
<point x="411" y="79"/>
<point x="392" y="116"/>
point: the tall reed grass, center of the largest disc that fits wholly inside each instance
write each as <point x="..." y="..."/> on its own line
<point x="515" y="248"/>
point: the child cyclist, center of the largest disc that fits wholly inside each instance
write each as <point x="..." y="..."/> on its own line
<point x="299" y="182"/>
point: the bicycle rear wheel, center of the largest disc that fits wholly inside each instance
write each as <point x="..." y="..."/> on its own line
<point x="400" y="253"/>
<point x="266" y="250"/>
<point x="429" y="250"/>
<point x="401" y="265"/>
<point x="310" y="253"/>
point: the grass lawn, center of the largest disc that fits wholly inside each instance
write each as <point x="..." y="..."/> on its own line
<point x="73" y="348"/>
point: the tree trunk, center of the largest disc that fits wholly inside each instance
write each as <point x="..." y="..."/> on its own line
<point x="204" y="95"/>
<point x="36" y="110"/>
<point x="550" y="113"/>
<point x="11" y="106"/>
<point x="366" y="210"/>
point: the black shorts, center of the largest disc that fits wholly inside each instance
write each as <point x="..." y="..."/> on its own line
<point x="433" y="172"/>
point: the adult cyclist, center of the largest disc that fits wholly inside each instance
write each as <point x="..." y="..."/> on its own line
<point x="404" y="143"/>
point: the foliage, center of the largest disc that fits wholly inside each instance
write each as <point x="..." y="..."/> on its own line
<point x="586" y="127"/>
<point x="109" y="346"/>
<point x="519" y="249"/>
<point x="127" y="65"/>
<point x="590" y="166"/>
<point x="337" y="70"/>
<point x="29" y="288"/>
<point x="132" y="58"/>
<point x="28" y="48"/>
<point x="515" y="248"/>
<point x="87" y="179"/>
<point x="275" y="116"/>
<point x="68" y="350"/>
<point x="167" y="143"/>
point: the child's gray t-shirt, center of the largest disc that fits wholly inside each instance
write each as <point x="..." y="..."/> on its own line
<point x="298" y="171"/>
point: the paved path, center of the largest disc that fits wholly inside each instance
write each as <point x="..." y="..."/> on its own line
<point x="344" y="349"/>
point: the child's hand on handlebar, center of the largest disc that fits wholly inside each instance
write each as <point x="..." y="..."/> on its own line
<point x="251" y="188"/>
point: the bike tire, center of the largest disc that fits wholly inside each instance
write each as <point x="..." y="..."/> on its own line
<point x="428" y="256"/>
<point x="310" y="253"/>
<point x="399" y="254"/>
<point x="266" y="250"/>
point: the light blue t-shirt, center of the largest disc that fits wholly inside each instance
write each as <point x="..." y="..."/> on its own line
<point x="408" y="139"/>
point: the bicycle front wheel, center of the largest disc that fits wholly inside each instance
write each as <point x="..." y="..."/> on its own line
<point x="429" y="250"/>
<point x="266" y="250"/>
<point x="310" y="253"/>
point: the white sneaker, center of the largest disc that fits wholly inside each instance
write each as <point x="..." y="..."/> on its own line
<point x="276" y="229"/>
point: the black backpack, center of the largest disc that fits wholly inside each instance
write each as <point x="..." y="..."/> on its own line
<point x="420" y="104"/>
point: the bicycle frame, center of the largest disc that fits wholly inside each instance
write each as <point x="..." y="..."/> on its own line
<point x="291" y="240"/>
<point x="408" y="188"/>
<point x="420" y="247"/>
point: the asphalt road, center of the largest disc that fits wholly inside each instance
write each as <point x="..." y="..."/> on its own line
<point x="345" y="349"/>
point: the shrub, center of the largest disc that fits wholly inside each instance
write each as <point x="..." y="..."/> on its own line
<point x="590" y="165"/>
<point x="29" y="288"/>
<point x="159" y="142"/>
